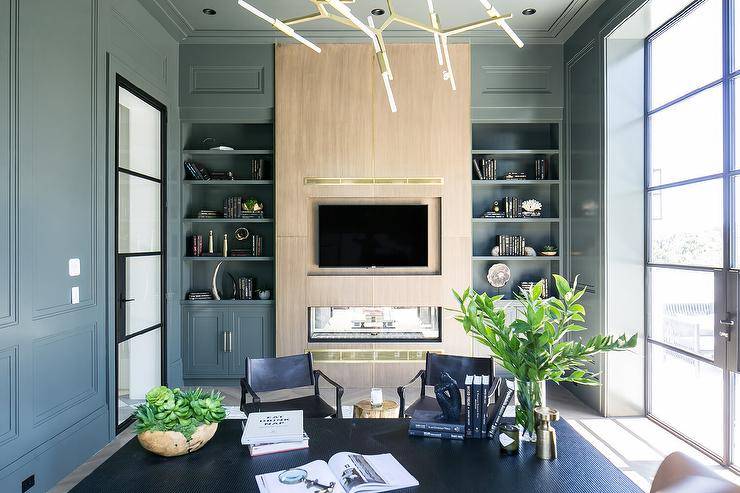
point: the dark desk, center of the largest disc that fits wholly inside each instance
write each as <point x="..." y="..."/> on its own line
<point x="224" y="465"/>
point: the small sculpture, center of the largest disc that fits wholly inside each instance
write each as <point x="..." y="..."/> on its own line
<point x="495" y="207"/>
<point x="251" y="204"/>
<point x="499" y="275"/>
<point x="547" y="445"/>
<point x="448" y="397"/>
<point x="531" y="208"/>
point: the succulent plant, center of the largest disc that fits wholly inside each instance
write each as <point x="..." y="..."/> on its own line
<point x="549" y="248"/>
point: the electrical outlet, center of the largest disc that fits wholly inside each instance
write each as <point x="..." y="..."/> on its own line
<point x="74" y="267"/>
<point x="75" y="295"/>
<point x="28" y="483"/>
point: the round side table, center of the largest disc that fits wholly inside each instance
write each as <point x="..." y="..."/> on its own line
<point x="364" y="409"/>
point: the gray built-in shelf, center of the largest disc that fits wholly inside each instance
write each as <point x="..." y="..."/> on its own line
<point x="213" y="152"/>
<point x="228" y="183"/>
<point x="515" y="146"/>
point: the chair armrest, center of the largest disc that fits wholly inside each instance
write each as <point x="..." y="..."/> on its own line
<point x="246" y="389"/>
<point x="402" y="388"/>
<point x="339" y="389"/>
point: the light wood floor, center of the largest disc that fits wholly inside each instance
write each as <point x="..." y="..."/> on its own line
<point x="635" y="445"/>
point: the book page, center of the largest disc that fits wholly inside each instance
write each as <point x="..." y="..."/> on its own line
<point x="369" y="473"/>
<point x="317" y="470"/>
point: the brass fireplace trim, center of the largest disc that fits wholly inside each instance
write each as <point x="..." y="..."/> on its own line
<point x="415" y="180"/>
<point x="370" y="355"/>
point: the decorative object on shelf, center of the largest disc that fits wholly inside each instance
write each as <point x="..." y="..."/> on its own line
<point x="264" y="294"/>
<point x="252" y="205"/>
<point x="225" y="247"/>
<point x="498" y="275"/>
<point x="549" y="250"/>
<point x="540" y="169"/>
<point x="196" y="171"/>
<point x="477" y="169"/>
<point x="485" y="168"/>
<point x="365" y="409"/>
<point x="547" y="446"/>
<point x="245" y="288"/>
<point x="241" y="233"/>
<point x="530" y="252"/>
<point x="348" y="18"/>
<point x="173" y="422"/>
<point x="222" y="175"/>
<point x="196" y="246"/>
<point x="199" y="295"/>
<point x="532" y="346"/>
<point x="495" y="211"/>
<point x="448" y="397"/>
<point x="510" y="246"/>
<point x="210" y="241"/>
<point x="376" y="397"/>
<point x="529" y="285"/>
<point x="508" y="438"/>
<point x="208" y="214"/>
<point x="214" y="289"/>
<point x="514" y="175"/>
<point x="258" y="169"/>
<point x="217" y="147"/>
<point x="531" y="208"/>
<point x="495" y="207"/>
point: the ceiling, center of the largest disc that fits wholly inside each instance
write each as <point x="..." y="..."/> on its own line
<point x="554" y="21"/>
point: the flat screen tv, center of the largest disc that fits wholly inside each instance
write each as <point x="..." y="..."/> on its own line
<point x="373" y="236"/>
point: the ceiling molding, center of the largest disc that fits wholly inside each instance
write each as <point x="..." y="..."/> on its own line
<point x="177" y="24"/>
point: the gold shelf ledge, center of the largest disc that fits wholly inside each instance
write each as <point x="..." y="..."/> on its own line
<point x="371" y="355"/>
<point x="433" y="180"/>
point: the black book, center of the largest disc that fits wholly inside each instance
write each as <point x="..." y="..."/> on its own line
<point x="204" y="175"/>
<point x="436" y="434"/>
<point x="468" y="406"/>
<point x="477" y="431"/>
<point x="423" y="420"/>
<point x="483" y="401"/>
<point x="497" y="409"/>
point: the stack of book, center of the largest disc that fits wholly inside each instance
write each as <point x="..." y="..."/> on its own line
<point x="540" y="169"/>
<point x="222" y="175"/>
<point x="269" y="433"/>
<point x="485" y="169"/>
<point x="257" y="245"/>
<point x="511" y="245"/>
<point x="258" y="169"/>
<point x="244" y="288"/>
<point x="232" y="207"/>
<point x="200" y="295"/>
<point x="208" y="214"/>
<point x="512" y="207"/>
<point x="195" y="243"/>
<point x="196" y="171"/>
<point x="485" y="403"/>
<point x="252" y="215"/>
<point x="515" y="175"/>
<point x="528" y="285"/>
<point x="430" y="424"/>
<point x="504" y="392"/>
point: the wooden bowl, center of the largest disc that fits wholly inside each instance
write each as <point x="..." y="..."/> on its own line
<point x="549" y="254"/>
<point x="174" y="443"/>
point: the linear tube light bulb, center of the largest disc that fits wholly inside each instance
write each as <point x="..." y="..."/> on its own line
<point x="448" y="74"/>
<point x="491" y="11"/>
<point x="345" y="11"/>
<point x="279" y="25"/>
<point x="389" y="92"/>
<point x="384" y="69"/>
<point x="435" y="23"/>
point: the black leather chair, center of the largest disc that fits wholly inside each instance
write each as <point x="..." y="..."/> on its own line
<point x="287" y="372"/>
<point x="457" y="366"/>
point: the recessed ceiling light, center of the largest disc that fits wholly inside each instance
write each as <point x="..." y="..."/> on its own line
<point x="377" y="12"/>
<point x="529" y="11"/>
<point x="209" y="11"/>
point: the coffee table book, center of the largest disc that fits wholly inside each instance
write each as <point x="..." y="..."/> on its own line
<point x="273" y="427"/>
<point x="275" y="448"/>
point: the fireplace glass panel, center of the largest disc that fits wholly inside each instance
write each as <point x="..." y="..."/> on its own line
<point x="377" y="323"/>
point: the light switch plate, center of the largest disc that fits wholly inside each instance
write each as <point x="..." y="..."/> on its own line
<point x="74" y="267"/>
<point x="75" y="295"/>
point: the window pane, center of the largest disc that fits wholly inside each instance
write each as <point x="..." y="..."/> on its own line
<point x="686" y="224"/>
<point x="697" y="124"/>
<point x="682" y="309"/>
<point x="688" y="55"/>
<point x="139" y="134"/>
<point x="687" y="394"/>
<point x="143" y="287"/>
<point x="139" y="370"/>
<point x="139" y="212"/>
<point x="735" y="454"/>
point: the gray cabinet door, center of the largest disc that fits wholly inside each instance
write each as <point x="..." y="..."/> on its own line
<point x="204" y="343"/>
<point x="249" y="337"/>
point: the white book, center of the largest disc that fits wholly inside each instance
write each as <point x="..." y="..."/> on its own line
<point x="353" y="473"/>
<point x="274" y="448"/>
<point x="274" y="427"/>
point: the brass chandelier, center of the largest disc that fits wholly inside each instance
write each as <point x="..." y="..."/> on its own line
<point x="345" y="16"/>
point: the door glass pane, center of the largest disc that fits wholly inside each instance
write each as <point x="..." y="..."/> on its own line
<point x="139" y="135"/>
<point x="139" y="212"/>
<point x="139" y="370"/>
<point x="687" y="394"/>
<point x="686" y="224"/>
<point x="682" y="309"/>
<point x="688" y="55"/>
<point x="697" y="124"/>
<point x="143" y="287"/>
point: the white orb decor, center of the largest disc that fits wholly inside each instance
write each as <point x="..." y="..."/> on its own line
<point x="499" y="275"/>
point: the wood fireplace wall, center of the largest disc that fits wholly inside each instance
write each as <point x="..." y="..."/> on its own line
<point x="332" y="120"/>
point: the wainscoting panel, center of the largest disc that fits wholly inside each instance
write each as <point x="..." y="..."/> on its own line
<point x="8" y="168"/>
<point x="8" y="394"/>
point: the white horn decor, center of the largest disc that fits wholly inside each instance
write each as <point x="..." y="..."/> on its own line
<point x="343" y="14"/>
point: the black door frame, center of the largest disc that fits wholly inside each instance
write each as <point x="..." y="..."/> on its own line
<point x="120" y="285"/>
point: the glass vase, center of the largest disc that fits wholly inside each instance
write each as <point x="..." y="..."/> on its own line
<point x="529" y="395"/>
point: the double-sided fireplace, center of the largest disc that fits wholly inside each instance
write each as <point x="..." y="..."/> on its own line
<point x="374" y="324"/>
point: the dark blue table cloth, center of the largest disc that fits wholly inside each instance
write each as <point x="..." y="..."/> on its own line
<point x="224" y="465"/>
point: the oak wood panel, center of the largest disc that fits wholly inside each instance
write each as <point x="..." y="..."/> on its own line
<point x="290" y="295"/>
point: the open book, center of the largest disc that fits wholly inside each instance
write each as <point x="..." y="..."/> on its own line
<point x="350" y="473"/>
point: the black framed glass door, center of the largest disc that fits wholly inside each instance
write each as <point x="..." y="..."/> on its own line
<point x="140" y="275"/>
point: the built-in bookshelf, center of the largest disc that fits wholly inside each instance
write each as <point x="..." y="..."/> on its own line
<point x="515" y="147"/>
<point x="250" y="141"/>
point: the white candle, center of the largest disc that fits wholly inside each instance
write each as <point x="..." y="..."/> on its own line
<point x="376" y="397"/>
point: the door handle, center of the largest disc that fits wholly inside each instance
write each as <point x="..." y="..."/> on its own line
<point x="127" y="300"/>
<point x="225" y="347"/>
<point x="728" y="323"/>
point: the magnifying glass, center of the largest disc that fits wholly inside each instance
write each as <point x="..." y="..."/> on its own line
<point x="293" y="476"/>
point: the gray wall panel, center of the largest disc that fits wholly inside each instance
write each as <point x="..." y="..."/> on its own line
<point x="8" y="167"/>
<point x="8" y="394"/>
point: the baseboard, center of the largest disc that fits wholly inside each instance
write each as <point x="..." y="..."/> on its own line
<point x="57" y="457"/>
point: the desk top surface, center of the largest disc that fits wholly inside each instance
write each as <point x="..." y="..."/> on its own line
<point x="224" y="465"/>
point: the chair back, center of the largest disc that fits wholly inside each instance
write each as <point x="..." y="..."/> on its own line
<point x="286" y="372"/>
<point x="457" y="366"/>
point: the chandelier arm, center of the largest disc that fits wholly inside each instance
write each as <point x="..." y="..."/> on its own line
<point x="473" y="25"/>
<point x="491" y="11"/>
<point x="414" y="23"/>
<point x="304" y="18"/>
<point x="448" y="62"/>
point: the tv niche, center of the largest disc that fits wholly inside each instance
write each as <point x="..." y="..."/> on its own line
<point x="374" y="323"/>
<point x="373" y="236"/>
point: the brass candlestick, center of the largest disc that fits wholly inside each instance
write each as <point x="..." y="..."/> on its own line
<point x="547" y="447"/>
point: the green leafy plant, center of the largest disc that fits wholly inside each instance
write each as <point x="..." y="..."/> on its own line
<point x="534" y="347"/>
<point x="174" y="410"/>
<point x="549" y="248"/>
